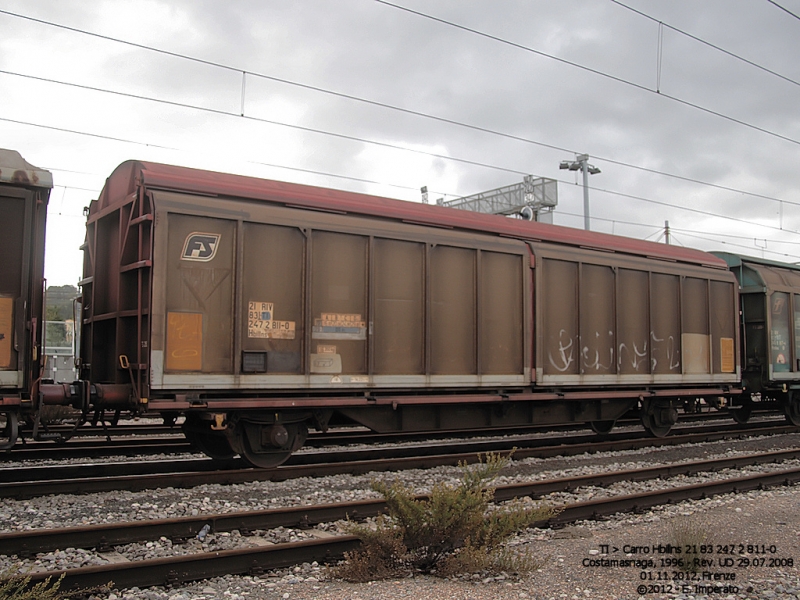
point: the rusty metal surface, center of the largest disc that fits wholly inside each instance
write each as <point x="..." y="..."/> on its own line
<point x="17" y="171"/>
<point x="593" y="509"/>
<point x="123" y="182"/>
<point x="770" y="309"/>
<point x="116" y="292"/>
<point x="200" y="282"/>
<point x="33" y="450"/>
<point x="430" y="399"/>
<point x="173" y="570"/>
<point x="607" y="319"/>
<point x="115" y="534"/>
<point x="330" y="301"/>
<point x="338" y="298"/>
<point x="133" y="440"/>
<point x="399" y="307"/>
<point x="192" y="567"/>
<point x="24" y="194"/>
<point x="55" y="393"/>
<point x="453" y="309"/>
<point x="191" y="473"/>
<point x="109" y="396"/>
<point x="263" y="295"/>
<point x="111" y="534"/>
<point x="272" y="273"/>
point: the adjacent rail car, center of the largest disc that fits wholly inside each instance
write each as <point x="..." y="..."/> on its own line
<point x="24" y="193"/>
<point x="770" y="342"/>
<point x="258" y="309"/>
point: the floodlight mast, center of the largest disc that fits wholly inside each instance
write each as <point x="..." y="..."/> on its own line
<point x="581" y="163"/>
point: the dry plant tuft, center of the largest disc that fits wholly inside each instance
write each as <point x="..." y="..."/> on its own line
<point x="15" y="586"/>
<point x="452" y="531"/>
<point x="692" y="538"/>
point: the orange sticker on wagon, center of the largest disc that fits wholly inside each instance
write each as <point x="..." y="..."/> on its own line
<point x="726" y="355"/>
<point x="184" y="341"/>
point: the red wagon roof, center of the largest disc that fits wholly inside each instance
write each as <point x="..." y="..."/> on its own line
<point x="129" y="175"/>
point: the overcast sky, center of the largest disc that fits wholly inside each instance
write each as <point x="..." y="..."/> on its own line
<point x="672" y="122"/>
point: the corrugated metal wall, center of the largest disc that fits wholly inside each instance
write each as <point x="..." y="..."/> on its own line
<point x="302" y="295"/>
<point x="620" y="319"/>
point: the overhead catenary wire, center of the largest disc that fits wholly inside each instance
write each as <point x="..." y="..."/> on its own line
<point x="146" y="144"/>
<point x="221" y="112"/>
<point x="739" y="237"/>
<point x="378" y="104"/>
<point x="490" y="166"/>
<point x="784" y="9"/>
<point x="84" y="133"/>
<point x="334" y="175"/>
<point x="450" y="158"/>
<point x="662" y="24"/>
<point x="688" y="209"/>
<point x="697" y="235"/>
<point x="594" y="71"/>
<point x="75" y="187"/>
<point x="227" y="113"/>
<point x="724" y="243"/>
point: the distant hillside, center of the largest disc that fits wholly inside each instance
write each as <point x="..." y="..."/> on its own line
<point x="59" y="302"/>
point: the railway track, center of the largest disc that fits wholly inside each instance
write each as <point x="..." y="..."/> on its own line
<point x="178" y="569"/>
<point x="27" y="482"/>
<point x="149" y="439"/>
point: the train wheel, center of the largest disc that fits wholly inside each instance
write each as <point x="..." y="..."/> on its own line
<point x="215" y="446"/>
<point x="792" y="408"/>
<point x="212" y="444"/>
<point x="602" y="427"/>
<point x="742" y="413"/>
<point x="269" y="445"/>
<point x="265" y="460"/>
<point x="658" y="417"/>
<point x="9" y="429"/>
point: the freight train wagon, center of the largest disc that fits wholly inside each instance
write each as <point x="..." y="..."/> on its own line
<point x="259" y="309"/>
<point x="770" y="334"/>
<point x="24" y="193"/>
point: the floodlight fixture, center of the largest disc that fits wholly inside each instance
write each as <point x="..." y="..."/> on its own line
<point x="581" y="163"/>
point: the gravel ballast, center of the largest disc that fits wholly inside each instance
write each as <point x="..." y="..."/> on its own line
<point x="765" y="517"/>
<point x="757" y="518"/>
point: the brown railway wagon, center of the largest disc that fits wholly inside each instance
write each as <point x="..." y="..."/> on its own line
<point x="259" y="309"/>
<point x="24" y="193"/>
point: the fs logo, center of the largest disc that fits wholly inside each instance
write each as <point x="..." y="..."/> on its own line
<point x="201" y="247"/>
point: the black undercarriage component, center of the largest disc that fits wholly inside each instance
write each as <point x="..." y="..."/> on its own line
<point x="658" y="416"/>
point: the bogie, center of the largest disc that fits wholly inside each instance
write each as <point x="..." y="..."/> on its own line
<point x="265" y="445"/>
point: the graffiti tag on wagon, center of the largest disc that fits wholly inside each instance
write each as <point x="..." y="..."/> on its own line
<point x="565" y="358"/>
<point x="261" y="324"/>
